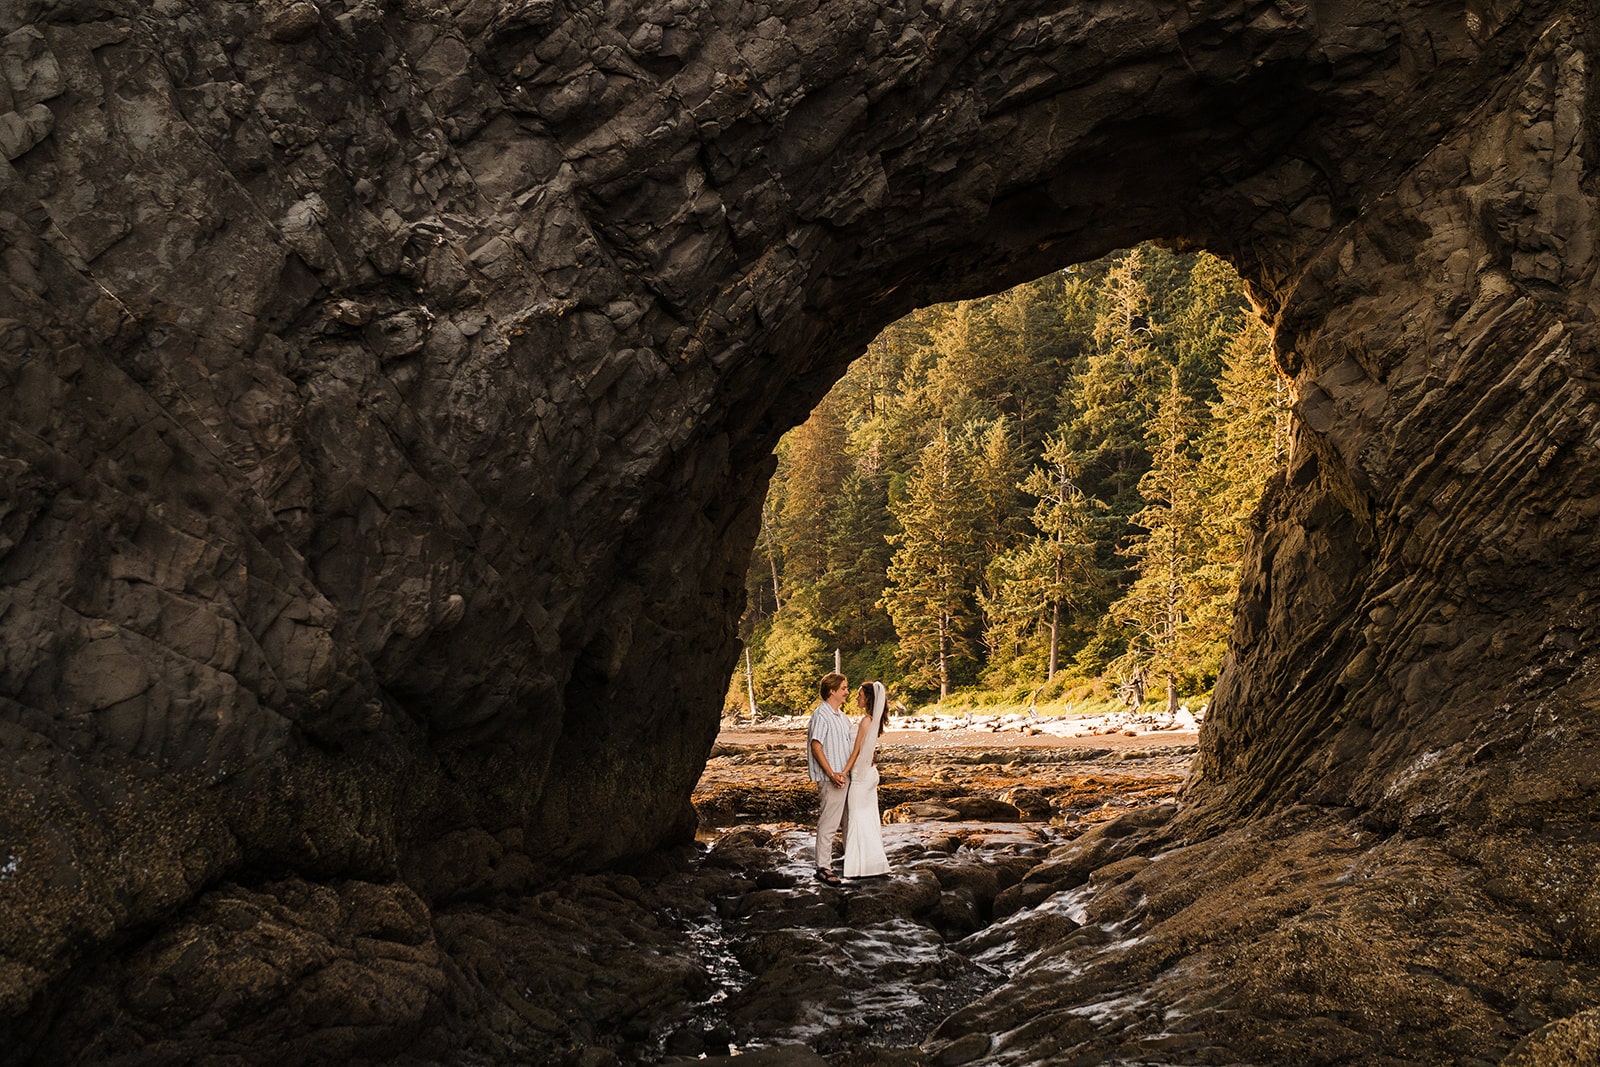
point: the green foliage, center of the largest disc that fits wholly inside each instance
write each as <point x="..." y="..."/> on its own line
<point x="1025" y="491"/>
<point x="1034" y="586"/>
<point x="939" y="554"/>
<point x="788" y="660"/>
<point x="1158" y="607"/>
<point x="873" y="662"/>
<point x="814" y="463"/>
<point x="1246" y="442"/>
<point x="1114" y="394"/>
<point x="858" y="554"/>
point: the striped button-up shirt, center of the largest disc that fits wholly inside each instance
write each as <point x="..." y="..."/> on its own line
<point x="832" y="728"/>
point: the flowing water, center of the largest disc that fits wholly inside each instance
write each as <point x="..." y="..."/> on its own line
<point x="879" y="963"/>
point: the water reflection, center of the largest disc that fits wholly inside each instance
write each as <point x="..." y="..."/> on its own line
<point x="877" y="963"/>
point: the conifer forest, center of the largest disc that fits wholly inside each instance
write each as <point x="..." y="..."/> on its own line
<point x="1035" y="498"/>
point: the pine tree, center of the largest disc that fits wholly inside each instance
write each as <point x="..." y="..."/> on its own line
<point x="1114" y="396"/>
<point x="935" y="567"/>
<point x="1079" y="358"/>
<point x="814" y="465"/>
<point x="1065" y="552"/>
<point x="901" y="418"/>
<point x="858" y="556"/>
<point x="996" y="464"/>
<point x="1034" y="584"/>
<point x="962" y="380"/>
<point x="1160" y="602"/>
<point x="1209" y="310"/>
<point x="1245" y="444"/>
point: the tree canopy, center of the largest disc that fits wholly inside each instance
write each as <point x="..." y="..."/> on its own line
<point x="1026" y="490"/>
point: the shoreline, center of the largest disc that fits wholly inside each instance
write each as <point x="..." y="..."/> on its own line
<point x="959" y="736"/>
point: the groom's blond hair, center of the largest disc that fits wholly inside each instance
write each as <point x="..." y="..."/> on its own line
<point x="829" y="683"/>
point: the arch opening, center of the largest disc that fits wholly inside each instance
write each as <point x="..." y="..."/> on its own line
<point x="1107" y="431"/>
<point x="389" y="392"/>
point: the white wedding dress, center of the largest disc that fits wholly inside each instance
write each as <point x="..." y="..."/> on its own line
<point x="863" y="842"/>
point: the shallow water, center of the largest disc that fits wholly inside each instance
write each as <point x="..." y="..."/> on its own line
<point x="883" y="962"/>
<point x="835" y="969"/>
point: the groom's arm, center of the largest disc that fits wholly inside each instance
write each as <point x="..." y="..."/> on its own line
<point x="822" y="761"/>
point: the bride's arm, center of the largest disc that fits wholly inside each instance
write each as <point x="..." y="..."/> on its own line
<point x="861" y="735"/>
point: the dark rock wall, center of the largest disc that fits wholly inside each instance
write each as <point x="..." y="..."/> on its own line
<point x="1411" y="638"/>
<point x="389" y="390"/>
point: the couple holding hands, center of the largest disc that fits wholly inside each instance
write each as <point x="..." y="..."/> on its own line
<point x="846" y="773"/>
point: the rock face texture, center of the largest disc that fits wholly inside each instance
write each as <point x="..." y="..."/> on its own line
<point x="387" y="391"/>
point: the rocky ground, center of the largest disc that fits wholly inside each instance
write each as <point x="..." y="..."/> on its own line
<point x="732" y="946"/>
<point x="1050" y="902"/>
<point x="1046" y="907"/>
<point x="725" y="945"/>
<point x="870" y="971"/>
<point x="992" y="770"/>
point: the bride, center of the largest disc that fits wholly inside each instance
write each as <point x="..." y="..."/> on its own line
<point x="863" y="842"/>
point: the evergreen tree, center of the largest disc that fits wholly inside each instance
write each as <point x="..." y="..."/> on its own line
<point x="1245" y="444"/>
<point x="900" y="422"/>
<point x="1072" y="372"/>
<point x="936" y="564"/>
<point x="1208" y="311"/>
<point x="1114" y="396"/>
<point x="815" y="466"/>
<point x="1035" y="583"/>
<point x="996" y="464"/>
<point x="963" y="380"/>
<point x="1162" y="598"/>
<point x="858" y="554"/>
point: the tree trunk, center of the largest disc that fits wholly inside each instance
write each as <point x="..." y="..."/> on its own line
<point x="750" y="681"/>
<point x="1055" y="628"/>
<point x="944" y="657"/>
<point x="772" y="558"/>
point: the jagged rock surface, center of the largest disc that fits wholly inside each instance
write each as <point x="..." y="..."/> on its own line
<point x="387" y="392"/>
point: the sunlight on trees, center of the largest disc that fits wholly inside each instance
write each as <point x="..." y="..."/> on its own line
<point x="1017" y="495"/>
<point x="938" y="559"/>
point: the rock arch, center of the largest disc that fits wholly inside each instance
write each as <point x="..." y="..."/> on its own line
<point x="389" y="390"/>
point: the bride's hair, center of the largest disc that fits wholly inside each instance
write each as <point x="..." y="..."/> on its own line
<point x="883" y="720"/>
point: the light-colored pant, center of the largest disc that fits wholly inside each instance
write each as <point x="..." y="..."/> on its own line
<point x="828" y="821"/>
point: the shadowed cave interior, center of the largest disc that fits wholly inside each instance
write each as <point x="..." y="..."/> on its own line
<point x="389" y="395"/>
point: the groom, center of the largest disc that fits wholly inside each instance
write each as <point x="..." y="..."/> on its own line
<point x="828" y="744"/>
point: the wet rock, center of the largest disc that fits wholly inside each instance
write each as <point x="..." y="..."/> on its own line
<point x="961" y="809"/>
<point x="908" y="895"/>
<point x="233" y="514"/>
<point x="1031" y="803"/>
<point x="743" y="848"/>
<point x="686" y="1042"/>
<point x="967" y="1049"/>
<point x="1074" y="863"/>
<point x="1344" y="944"/>
<point x="924" y="811"/>
<point x="786" y="1056"/>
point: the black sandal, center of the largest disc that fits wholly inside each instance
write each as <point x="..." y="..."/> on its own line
<point x="828" y="877"/>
